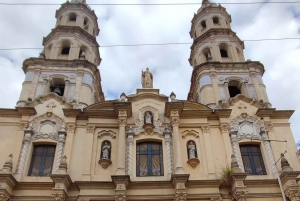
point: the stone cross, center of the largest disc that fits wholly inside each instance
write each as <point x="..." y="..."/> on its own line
<point x="51" y="105"/>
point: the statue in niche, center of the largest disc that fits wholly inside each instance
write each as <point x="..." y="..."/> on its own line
<point x="148" y="118"/>
<point x="105" y="151"/>
<point x="192" y="152"/>
<point x="147" y="79"/>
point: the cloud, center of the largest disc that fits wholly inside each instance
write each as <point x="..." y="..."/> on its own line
<point x="25" y="26"/>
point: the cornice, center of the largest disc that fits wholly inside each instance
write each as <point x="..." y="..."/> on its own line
<point x="34" y="186"/>
<point x="136" y="97"/>
<point x="18" y="112"/>
<point x="274" y="114"/>
<point x="73" y="30"/>
<point x="173" y="106"/>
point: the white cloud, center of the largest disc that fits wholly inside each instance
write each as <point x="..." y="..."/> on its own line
<point x="24" y="26"/>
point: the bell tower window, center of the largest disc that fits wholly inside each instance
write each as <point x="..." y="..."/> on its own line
<point x="72" y="17"/>
<point x="203" y="24"/>
<point x="65" y="48"/>
<point x="234" y="88"/>
<point x="57" y="85"/>
<point x="216" y="20"/>
<point x="85" y="24"/>
<point x="224" y="51"/>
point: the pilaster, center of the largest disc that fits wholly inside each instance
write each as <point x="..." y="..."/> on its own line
<point x="168" y="141"/>
<point x="226" y="139"/>
<point x="122" y="120"/>
<point x="7" y="184"/>
<point x="290" y="187"/>
<point x="238" y="189"/>
<point x="208" y="149"/>
<point x="179" y="182"/>
<point x="121" y="182"/>
<point x="215" y="86"/>
<point x="130" y="143"/>
<point x="88" y="152"/>
<point x="256" y="86"/>
<point x="174" y="117"/>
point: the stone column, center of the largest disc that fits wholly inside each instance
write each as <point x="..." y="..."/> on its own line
<point x="176" y="142"/>
<point x="34" y="82"/>
<point x="226" y="90"/>
<point x="216" y="87"/>
<point x="88" y="153"/>
<point x="268" y="150"/>
<point x="256" y="86"/>
<point x="122" y="119"/>
<point x="60" y="147"/>
<point x="24" y="151"/>
<point x="179" y="181"/>
<point x="208" y="149"/>
<point x="168" y="141"/>
<point x="130" y="143"/>
<point x="235" y="147"/>
<point x="66" y="92"/>
<point x="226" y="139"/>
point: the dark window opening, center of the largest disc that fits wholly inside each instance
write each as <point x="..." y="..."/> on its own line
<point x="233" y="91"/>
<point x="85" y="21"/>
<point x="65" y="50"/>
<point x="149" y="159"/>
<point x="223" y="53"/>
<point x="58" y="89"/>
<point x="203" y="24"/>
<point x="72" y="17"/>
<point x="216" y="20"/>
<point x="42" y="160"/>
<point x="252" y="160"/>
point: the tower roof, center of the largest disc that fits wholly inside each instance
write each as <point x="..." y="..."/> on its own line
<point x="206" y="3"/>
<point x="78" y="1"/>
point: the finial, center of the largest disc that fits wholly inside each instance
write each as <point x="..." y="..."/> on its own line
<point x="8" y="165"/>
<point x="123" y="97"/>
<point x="234" y="164"/>
<point x="63" y="128"/>
<point x="130" y="130"/>
<point x="173" y="96"/>
<point x="285" y="166"/>
<point x="29" y="127"/>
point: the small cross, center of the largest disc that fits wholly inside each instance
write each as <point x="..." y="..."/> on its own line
<point x="51" y="105"/>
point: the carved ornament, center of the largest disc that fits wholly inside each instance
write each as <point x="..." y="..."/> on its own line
<point x="180" y="196"/>
<point x="71" y="128"/>
<point x="59" y="197"/>
<point x="90" y="129"/>
<point x="122" y="122"/>
<point x="175" y="121"/>
<point x="190" y="132"/>
<point x="240" y="195"/>
<point x="293" y="195"/>
<point x="4" y="197"/>
<point x="108" y="133"/>
<point x="104" y="163"/>
<point x="224" y="127"/>
<point x="148" y="128"/>
<point x="205" y="128"/>
<point x="120" y="197"/>
<point x="193" y="162"/>
<point x="37" y="122"/>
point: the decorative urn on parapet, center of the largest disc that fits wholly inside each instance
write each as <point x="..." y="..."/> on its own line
<point x="148" y="122"/>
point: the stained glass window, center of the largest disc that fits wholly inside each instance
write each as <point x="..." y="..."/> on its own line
<point x="149" y="159"/>
<point x="42" y="160"/>
<point x="252" y="160"/>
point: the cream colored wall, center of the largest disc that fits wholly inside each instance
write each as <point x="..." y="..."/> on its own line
<point x="207" y="95"/>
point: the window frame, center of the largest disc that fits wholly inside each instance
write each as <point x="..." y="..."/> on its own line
<point x="149" y="158"/>
<point x="43" y="160"/>
<point x="250" y="155"/>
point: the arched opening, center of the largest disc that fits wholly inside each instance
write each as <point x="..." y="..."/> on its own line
<point x="72" y="17"/>
<point x="85" y="23"/>
<point x="191" y="149"/>
<point x="207" y="54"/>
<point x="224" y="51"/>
<point x="234" y="88"/>
<point x="203" y="24"/>
<point x="65" y="50"/>
<point x="57" y="85"/>
<point x="215" y="20"/>
<point x="82" y="52"/>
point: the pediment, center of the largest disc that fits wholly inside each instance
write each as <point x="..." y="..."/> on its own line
<point x="240" y="97"/>
<point x="42" y="99"/>
<point x="189" y="105"/>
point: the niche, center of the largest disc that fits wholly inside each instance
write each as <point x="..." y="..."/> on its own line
<point x="105" y="155"/>
<point x="193" y="160"/>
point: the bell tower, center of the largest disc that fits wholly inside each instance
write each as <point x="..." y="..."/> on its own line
<point x="220" y="71"/>
<point x="67" y="66"/>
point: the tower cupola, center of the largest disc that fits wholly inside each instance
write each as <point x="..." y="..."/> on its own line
<point x="213" y="36"/>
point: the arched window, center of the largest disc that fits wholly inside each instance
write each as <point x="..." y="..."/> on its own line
<point x="215" y="20"/>
<point x="72" y="17"/>
<point x="191" y="149"/>
<point x="65" y="47"/>
<point x="207" y="54"/>
<point x="234" y="88"/>
<point x="57" y="85"/>
<point x="224" y="50"/>
<point x="42" y="160"/>
<point x="203" y="24"/>
<point x="83" y="49"/>
<point x="149" y="159"/>
<point x="85" y="24"/>
<point x="252" y="160"/>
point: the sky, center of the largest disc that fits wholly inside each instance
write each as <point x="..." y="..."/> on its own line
<point x="25" y="26"/>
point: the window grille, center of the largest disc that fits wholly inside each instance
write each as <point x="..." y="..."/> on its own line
<point x="252" y="160"/>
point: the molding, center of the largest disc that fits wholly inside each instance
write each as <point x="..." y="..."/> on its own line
<point x="275" y="114"/>
<point x="107" y="133"/>
<point x="190" y="132"/>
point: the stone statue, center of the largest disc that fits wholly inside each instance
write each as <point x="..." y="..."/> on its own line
<point x="147" y="79"/>
<point x="192" y="150"/>
<point x="105" y="151"/>
<point x="148" y="118"/>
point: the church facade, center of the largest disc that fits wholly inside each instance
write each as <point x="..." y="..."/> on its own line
<point x="64" y="141"/>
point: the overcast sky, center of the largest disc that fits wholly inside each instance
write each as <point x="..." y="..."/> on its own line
<point x="25" y="26"/>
